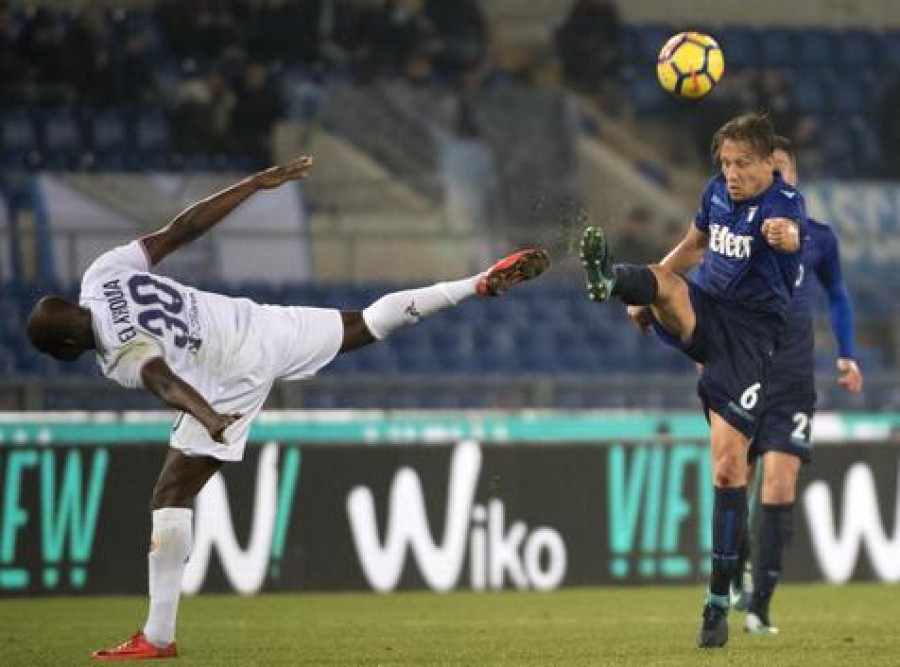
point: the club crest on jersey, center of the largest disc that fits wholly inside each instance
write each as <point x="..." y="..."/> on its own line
<point x="724" y="242"/>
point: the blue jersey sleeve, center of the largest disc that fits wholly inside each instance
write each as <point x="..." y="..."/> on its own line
<point x="701" y="220"/>
<point x="828" y="272"/>
<point x="788" y="204"/>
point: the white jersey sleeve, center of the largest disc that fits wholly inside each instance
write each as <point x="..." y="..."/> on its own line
<point x="131" y="256"/>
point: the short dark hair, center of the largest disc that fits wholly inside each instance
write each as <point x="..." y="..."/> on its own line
<point x="782" y="143"/>
<point x="753" y="127"/>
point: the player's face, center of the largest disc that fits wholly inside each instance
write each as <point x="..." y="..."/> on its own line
<point x="746" y="173"/>
<point x="786" y="166"/>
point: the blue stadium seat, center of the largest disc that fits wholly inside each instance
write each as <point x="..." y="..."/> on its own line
<point x="778" y="48"/>
<point x="61" y="138"/>
<point x="152" y="135"/>
<point x="18" y="134"/>
<point x="740" y="46"/>
<point x="852" y="97"/>
<point x="858" y="50"/>
<point x="647" y="97"/>
<point x="650" y="39"/>
<point x="890" y="50"/>
<point x="109" y="132"/>
<point x="817" y="50"/>
<point x="811" y="95"/>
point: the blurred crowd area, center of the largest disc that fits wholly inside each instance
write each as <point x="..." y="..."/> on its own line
<point x="219" y="68"/>
<point x="431" y="92"/>
<point x="222" y="72"/>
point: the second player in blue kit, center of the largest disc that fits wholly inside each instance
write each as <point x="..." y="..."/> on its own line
<point x="783" y="440"/>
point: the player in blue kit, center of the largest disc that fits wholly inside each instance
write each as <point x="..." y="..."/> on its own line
<point x="782" y="442"/>
<point x="729" y="317"/>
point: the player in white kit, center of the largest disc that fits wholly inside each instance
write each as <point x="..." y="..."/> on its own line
<point x="214" y="359"/>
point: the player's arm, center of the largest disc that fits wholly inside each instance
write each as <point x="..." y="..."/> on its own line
<point x="160" y="380"/>
<point x="688" y="253"/>
<point x="828" y="272"/>
<point x="783" y="234"/>
<point x="202" y="216"/>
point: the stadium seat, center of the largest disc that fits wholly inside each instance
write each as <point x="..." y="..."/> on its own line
<point x="817" y="49"/>
<point x="778" y="48"/>
<point x="852" y="97"/>
<point x="18" y="132"/>
<point x="646" y="95"/>
<point x="858" y="50"/>
<point x="152" y="133"/>
<point x="61" y="137"/>
<point x="740" y="46"/>
<point x="811" y="95"/>
<point x="890" y="51"/>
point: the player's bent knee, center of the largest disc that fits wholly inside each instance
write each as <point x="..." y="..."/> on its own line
<point x="671" y="286"/>
<point x="779" y="490"/>
<point x="729" y="470"/>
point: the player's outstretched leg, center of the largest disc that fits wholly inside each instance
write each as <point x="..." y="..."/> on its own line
<point x="135" y="648"/>
<point x="594" y="253"/>
<point x="408" y="307"/>
<point x="511" y="270"/>
<point x="714" y="627"/>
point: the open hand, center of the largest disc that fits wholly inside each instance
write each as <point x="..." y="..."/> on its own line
<point x="294" y="170"/>
<point x="849" y="375"/>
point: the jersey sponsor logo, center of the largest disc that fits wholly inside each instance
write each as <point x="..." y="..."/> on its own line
<point x="789" y="194"/>
<point x="725" y="242"/>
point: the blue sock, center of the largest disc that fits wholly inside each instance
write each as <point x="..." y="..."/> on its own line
<point x="775" y="530"/>
<point x="737" y="577"/>
<point x="729" y="518"/>
<point x="636" y="285"/>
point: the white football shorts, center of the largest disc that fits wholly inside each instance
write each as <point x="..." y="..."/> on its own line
<point x="284" y="343"/>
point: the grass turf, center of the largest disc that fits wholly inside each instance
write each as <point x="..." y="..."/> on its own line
<point x="821" y="626"/>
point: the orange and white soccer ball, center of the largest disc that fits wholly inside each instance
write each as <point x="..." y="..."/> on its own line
<point x="690" y="65"/>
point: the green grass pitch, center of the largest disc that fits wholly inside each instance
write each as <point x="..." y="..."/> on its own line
<point x="850" y="626"/>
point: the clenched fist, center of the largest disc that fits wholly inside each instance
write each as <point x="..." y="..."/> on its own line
<point x="782" y="234"/>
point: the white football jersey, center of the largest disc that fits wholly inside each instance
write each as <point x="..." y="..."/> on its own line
<point x="231" y="350"/>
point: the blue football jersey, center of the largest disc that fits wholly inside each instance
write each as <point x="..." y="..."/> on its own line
<point x="821" y="263"/>
<point x="739" y="265"/>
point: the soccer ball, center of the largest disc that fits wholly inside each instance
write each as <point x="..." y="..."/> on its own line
<point x="690" y="65"/>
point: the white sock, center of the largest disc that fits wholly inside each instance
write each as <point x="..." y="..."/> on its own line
<point x="400" y="309"/>
<point x="170" y="546"/>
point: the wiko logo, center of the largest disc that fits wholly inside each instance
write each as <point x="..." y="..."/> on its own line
<point x="245" y="568"/>
<point x="535" y="559"/>
<point x="723" y="241"/>
<point x="837" y="546"/>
